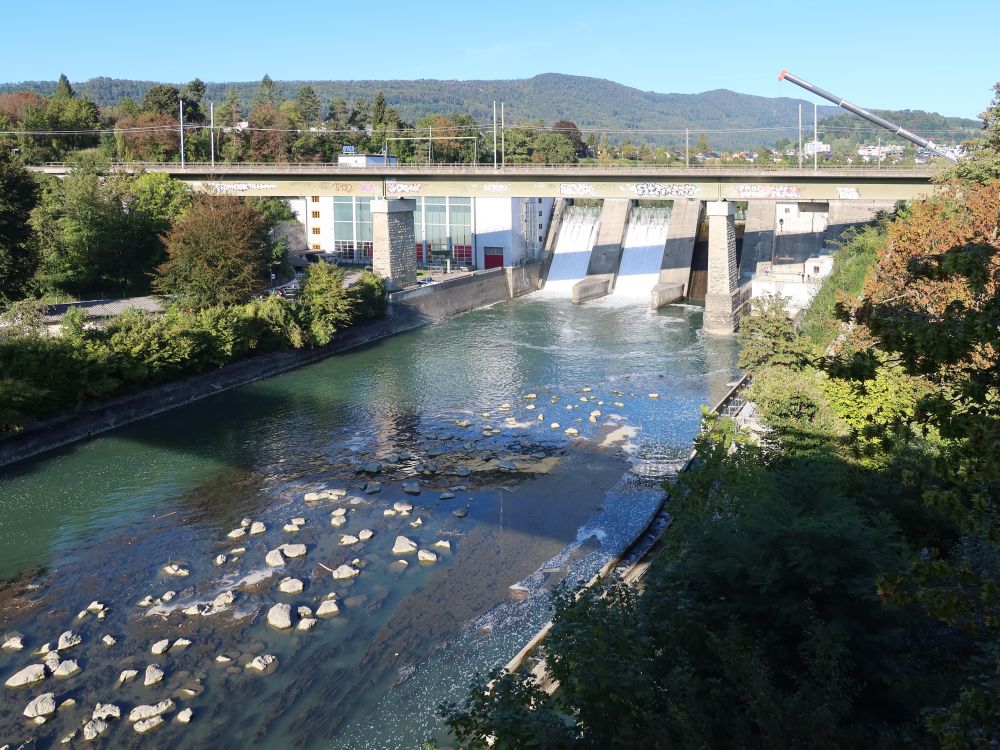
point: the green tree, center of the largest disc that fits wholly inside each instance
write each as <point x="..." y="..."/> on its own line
<point x="982" y="162"/>
<point x="267" y="93"/>
<point x="217" y="254"/>
<point x="162" y="99"/>
<point x="193" y="94"/>
<point x="18" y="252"/>
<point x="768" y="337"/>
<point x="553" y="148"/>
<point x="572" y="132"/>
<point x="307" y="106"/>
<point x="324" y="302"/>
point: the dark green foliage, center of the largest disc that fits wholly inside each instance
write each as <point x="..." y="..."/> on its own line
<point x="324" y="303"/>
<point x="768" y="337"/>
<point x="18" y="251"/>
<point x="368" y="297"/>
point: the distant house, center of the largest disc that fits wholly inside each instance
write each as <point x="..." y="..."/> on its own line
<point x="818" y="148"/>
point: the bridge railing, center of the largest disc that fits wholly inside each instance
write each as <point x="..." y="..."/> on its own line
<point x="509" y="169"/>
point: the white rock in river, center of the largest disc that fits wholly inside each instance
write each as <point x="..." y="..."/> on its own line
<point x="14" y="643"/>
<point x="68" y="640"/>
<point x="258" y="527"/>
<point x="30" y="674"/>
<point x="67" y="668"/>
<point x="293" y="550"/>
<point x="94" y="729"/>
<point x="443" y="544"/>
<point x="153" y="675"/>
<point x="299" y="521"/>
<point x="223" y="600"/>
<point x="127" y="676"/>
<point x="365" y="534"/>
<point x="306" y="623"/>
<point x="147" y="725"/>
<point x="291" y="528"/>
<point x="109" y="641"/>
<point x="274" y="558"/>
<point x="261" y="663"/>
<point x="181" y="643"/>
<point x="184" y="717"/>
<point x="140" y="713"/>
<point x="220" y="559"/>
<point x="345" y="571"/>
<point x="68" y="703"/>
<point x="402" y="506"/>
<point x="411" y="488"/>
<point x="304" y="611"/>
<point x="416" y="523"/>
<point x="95" y="606"/>
<point x="338" y="521"/>
<point x="346" y="540"/>
<point x="52" y="661"/>
<point x="237" y="533"/>
<point x="106" y="711"/>
<point x="327" y="608"/>
<point x="160" y="647"/>
<point x="447" y="496"/>
<point x="175" y="570"/>
<point x="339" y="512"/>
<point x="388" y="512"/>
<point x="290" y="586"/>
<point x="43" y="705"/>
<point x="280" y="616"/>
<point x="168" y="596"/>
<point x="425" y="555"/>
<point x="403" y="546"/>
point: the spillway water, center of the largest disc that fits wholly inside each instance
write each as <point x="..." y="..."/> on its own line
<point x="642" y="253"/>
<point x="100" y="519"/>
<point x="571" y="255"/>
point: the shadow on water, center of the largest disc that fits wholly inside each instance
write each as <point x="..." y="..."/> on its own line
<point x="105" y="515"/>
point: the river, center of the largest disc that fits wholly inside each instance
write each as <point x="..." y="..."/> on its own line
<point x="447" y="407"/>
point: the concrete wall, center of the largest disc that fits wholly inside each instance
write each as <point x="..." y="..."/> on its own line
<point x="607" y="252"/>
<point x="758" y="238"/>
<point x="680" y="243"/>
<point x="524" y="279"/>
<point x="394" y="258"/>
<point x="439" y="301"/>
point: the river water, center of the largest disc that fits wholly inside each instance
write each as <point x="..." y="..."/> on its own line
<point x="445" y="407"/>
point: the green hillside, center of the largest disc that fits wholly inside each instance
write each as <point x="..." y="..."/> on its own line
<point x="930" y="125"/>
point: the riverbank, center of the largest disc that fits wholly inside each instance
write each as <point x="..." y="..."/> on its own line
<point x="405" y="311"/>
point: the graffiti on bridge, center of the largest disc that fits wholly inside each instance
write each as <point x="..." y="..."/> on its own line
<point x="770" y="191"/>
<point x="576" y="189"/>
<point x="666" y="190"/>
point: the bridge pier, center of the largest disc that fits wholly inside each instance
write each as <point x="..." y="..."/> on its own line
<point x="394" y="255"/>
<point x="722" y="297"/>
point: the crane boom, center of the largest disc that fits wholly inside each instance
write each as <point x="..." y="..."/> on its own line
<point x="870" y="116"/>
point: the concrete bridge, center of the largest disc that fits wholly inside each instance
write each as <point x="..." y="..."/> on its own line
<point x="641" y="182"/>
<point x="702" y="196"/>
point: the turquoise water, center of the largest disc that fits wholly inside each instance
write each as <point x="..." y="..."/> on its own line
<point x="100" y="519"/>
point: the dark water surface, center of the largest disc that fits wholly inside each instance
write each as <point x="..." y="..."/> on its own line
<point x="100" y="520"/>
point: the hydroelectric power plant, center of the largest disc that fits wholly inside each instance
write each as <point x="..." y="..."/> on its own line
<point x="322" y="557"/>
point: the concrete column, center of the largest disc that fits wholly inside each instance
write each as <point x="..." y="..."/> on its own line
<point x="394" y="257"/>
<point x="758" y="240"/>
<point x="722" y="295"/>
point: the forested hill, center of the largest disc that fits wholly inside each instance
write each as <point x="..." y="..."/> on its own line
<point x="927" y="124"/>
<point x="592" y="103"/>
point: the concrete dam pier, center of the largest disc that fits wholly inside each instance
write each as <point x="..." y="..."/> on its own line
<point x="650" y="253"/>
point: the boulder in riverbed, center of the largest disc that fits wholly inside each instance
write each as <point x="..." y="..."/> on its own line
<point x="280" y="616"/>
<point x="261" y="663"/>
<point x="143" y="712"/>
<point x="14" y="643"/>
<point x="290" y="586"/>
<point x="404" y="546"/>
<point x="365" y="534"/>
<point x="328" y="608"/>
<point x="105" y="711"/>
<point x="425" y="555"/>
<point x="274" y="558"/>
<point x="344" y="572"/>
<point x="160" y="647"/>
<point x="68" y="640"/>
<point x="127" y="675"/>
<point x="184" y="717"/>
<point x="43" y="705"/>
<point x="94" y="729"/>
<point x="147" y="725"/>
<point x="154" y="675"/>
<point x="28" y="676"/>
<point x="293" y="550"/>
<point x="347" y="540"/>
<point x="258" y="527"/>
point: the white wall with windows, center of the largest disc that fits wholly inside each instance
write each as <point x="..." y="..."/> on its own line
<point x="468" y="232"/>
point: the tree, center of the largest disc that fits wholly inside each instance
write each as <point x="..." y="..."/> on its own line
<point x="18" y="253"/>
<point x="338" y="113"/>
<point x="162" y="99"/>
<point x="553" y="148"/>
<point x="701" y="146"/>
<point x="982" y="161"/>
<point x="325" y="303"/>
<point x="307" y="106"/>
<point x="92" y="240"/>
<point x="217" y="254"/>
<point x="192" y="95"/>
<point x="572" y="132"/>
<point x="267" y="93"/>
<point x="768" y="337"/>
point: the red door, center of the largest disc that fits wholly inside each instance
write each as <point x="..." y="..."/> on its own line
<point x="493" y="257"/>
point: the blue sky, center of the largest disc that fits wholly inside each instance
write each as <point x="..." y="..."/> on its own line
<point x="940" y="57"/>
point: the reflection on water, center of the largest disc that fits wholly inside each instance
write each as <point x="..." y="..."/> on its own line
<point x="99" y="520"/>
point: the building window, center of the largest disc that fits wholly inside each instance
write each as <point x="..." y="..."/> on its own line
<point x="315" y="199"/>
<point x="539" y="213"/>
<point x="315" y="230"/>
<point x="539" y="226"/>
<point x="539" y="200"/>
<point x="317" y="247"/>
<point x="315" y="214"/>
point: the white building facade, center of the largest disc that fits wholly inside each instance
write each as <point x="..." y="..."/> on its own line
<point x="465" y="232"/>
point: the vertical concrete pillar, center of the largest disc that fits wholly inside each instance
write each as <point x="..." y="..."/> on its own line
<point x="394" y="252"/>
<point x="722" y="295"/>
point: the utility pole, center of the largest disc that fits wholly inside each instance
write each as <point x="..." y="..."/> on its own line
<point x="494" y="134"/>
<point x="182" y="132"/>
<point x="503" y="138"/>
<point x="800" y="136"/>
<point x="815" y="140"/>
<point x="878" y="151"/>
<point x="211" y="131"/>
<point x="687" y="147"/>
<point x="430" y="144"/>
